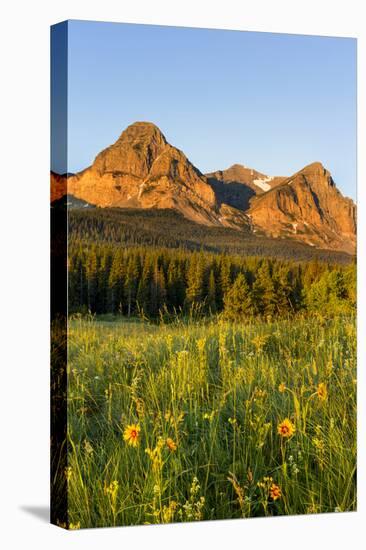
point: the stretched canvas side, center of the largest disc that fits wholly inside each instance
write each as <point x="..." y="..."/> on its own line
<point x="58" y="213"/>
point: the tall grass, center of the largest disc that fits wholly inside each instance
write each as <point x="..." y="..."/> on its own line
<point x="218" y="390"/>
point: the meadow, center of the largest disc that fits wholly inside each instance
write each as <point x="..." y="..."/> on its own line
<point x="209" y="419"/>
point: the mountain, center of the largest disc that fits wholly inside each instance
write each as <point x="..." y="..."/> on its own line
<point x="256" y="181"/>
<point x="58" y="186"/>
<point x="236" y="185"/>
<point x="307" y="207"/>
<point x="141" y="170"/>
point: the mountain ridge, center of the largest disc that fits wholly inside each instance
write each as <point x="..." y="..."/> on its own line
<point x="142" y="170"/>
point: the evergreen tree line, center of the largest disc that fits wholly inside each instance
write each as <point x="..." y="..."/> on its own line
<point x="139" y="280"/>
<point x="169" y="229"/>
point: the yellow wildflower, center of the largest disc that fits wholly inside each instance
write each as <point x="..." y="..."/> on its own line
<point x="282" y="387"/>
<point x="169" y="511"/>
<point x="322" y="392"/>
<point x="286" y="428"/>
<point x="132" y="434"/>
<point x="68" y="473"/>
<point x="172" y="446"/>
<point x="111" y="489"/>
<point x="275" y="492"/>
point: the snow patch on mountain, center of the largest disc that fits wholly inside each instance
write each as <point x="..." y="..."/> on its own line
<point x="263" y="184"/>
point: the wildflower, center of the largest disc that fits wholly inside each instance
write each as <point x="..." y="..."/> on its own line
<point x="174" y="420"/>
<point x="111" y="489"/>
<point x="195" y="487"/>
<point x="193" y="507"/>
<point x="232" y="421"/>
<point x="322" y="391"/>
<point x="132" y="434"/>
<point x="286" y="428"/>
<point x="318" y="443"/>
<point x="140" y="407"/>
<point x="155" y="455"/>
<point x="282" y="387"/>
<point x="87" y="447"/>
<point x="250" y="475"/>
<point x="68" y="473"/>
<point x="209" y="416"/>
<point x="238" y="490"/>
<point x="169" y="511"/>
<point x="74" y="526"/>
<point x="172" y="446"/>
<point x="259" y="394"/>
<point x="275" y="492"/>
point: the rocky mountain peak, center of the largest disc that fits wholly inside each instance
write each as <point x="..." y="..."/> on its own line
<point x="134" y="151"/>
<point x="142" y="170"/>
<point x="317" y="173"/>
<point x="142" y="133"/>
<point x="307" y="207"/>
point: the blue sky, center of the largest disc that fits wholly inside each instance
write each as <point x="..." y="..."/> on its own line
<point x="269" y="101"/>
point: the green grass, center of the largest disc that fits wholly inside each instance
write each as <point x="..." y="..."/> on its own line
<point x="212" y="387"/>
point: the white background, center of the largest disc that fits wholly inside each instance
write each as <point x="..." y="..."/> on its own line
<point x="24" y="271"/>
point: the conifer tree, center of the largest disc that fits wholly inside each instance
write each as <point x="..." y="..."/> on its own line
<point x="283" y="288"/>
<point x="238" y="300"/>
<point x="158" y="290"/>
<point x="91" y="278"/>
<point x="195" y="274"/>
<point x="143" y="297"/>
<point x="131" y="282"/>
<point x="211" y="293"/>
<point x="116" y="281"/>
<point x="225" y="278"/>
<point x="264" y="291"/>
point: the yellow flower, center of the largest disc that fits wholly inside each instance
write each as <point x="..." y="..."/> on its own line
<point x="74" y="526"/>
<point x="209" y="416"/>
<point x="68" y="473"/>
<point x="322" y="391"/>
<point x="132" y="434"/>
<point x="259" y="394"/>
<point x="286" y="428"/>
<point x="155" y="455"/>
<point x="282" y="387"/>
<point x="172" y="446"/>
<point x="112" y="488"/>
<point x="318" y="443"/>
<point x="169" y="511"/>
<point x="275" y="491"/>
